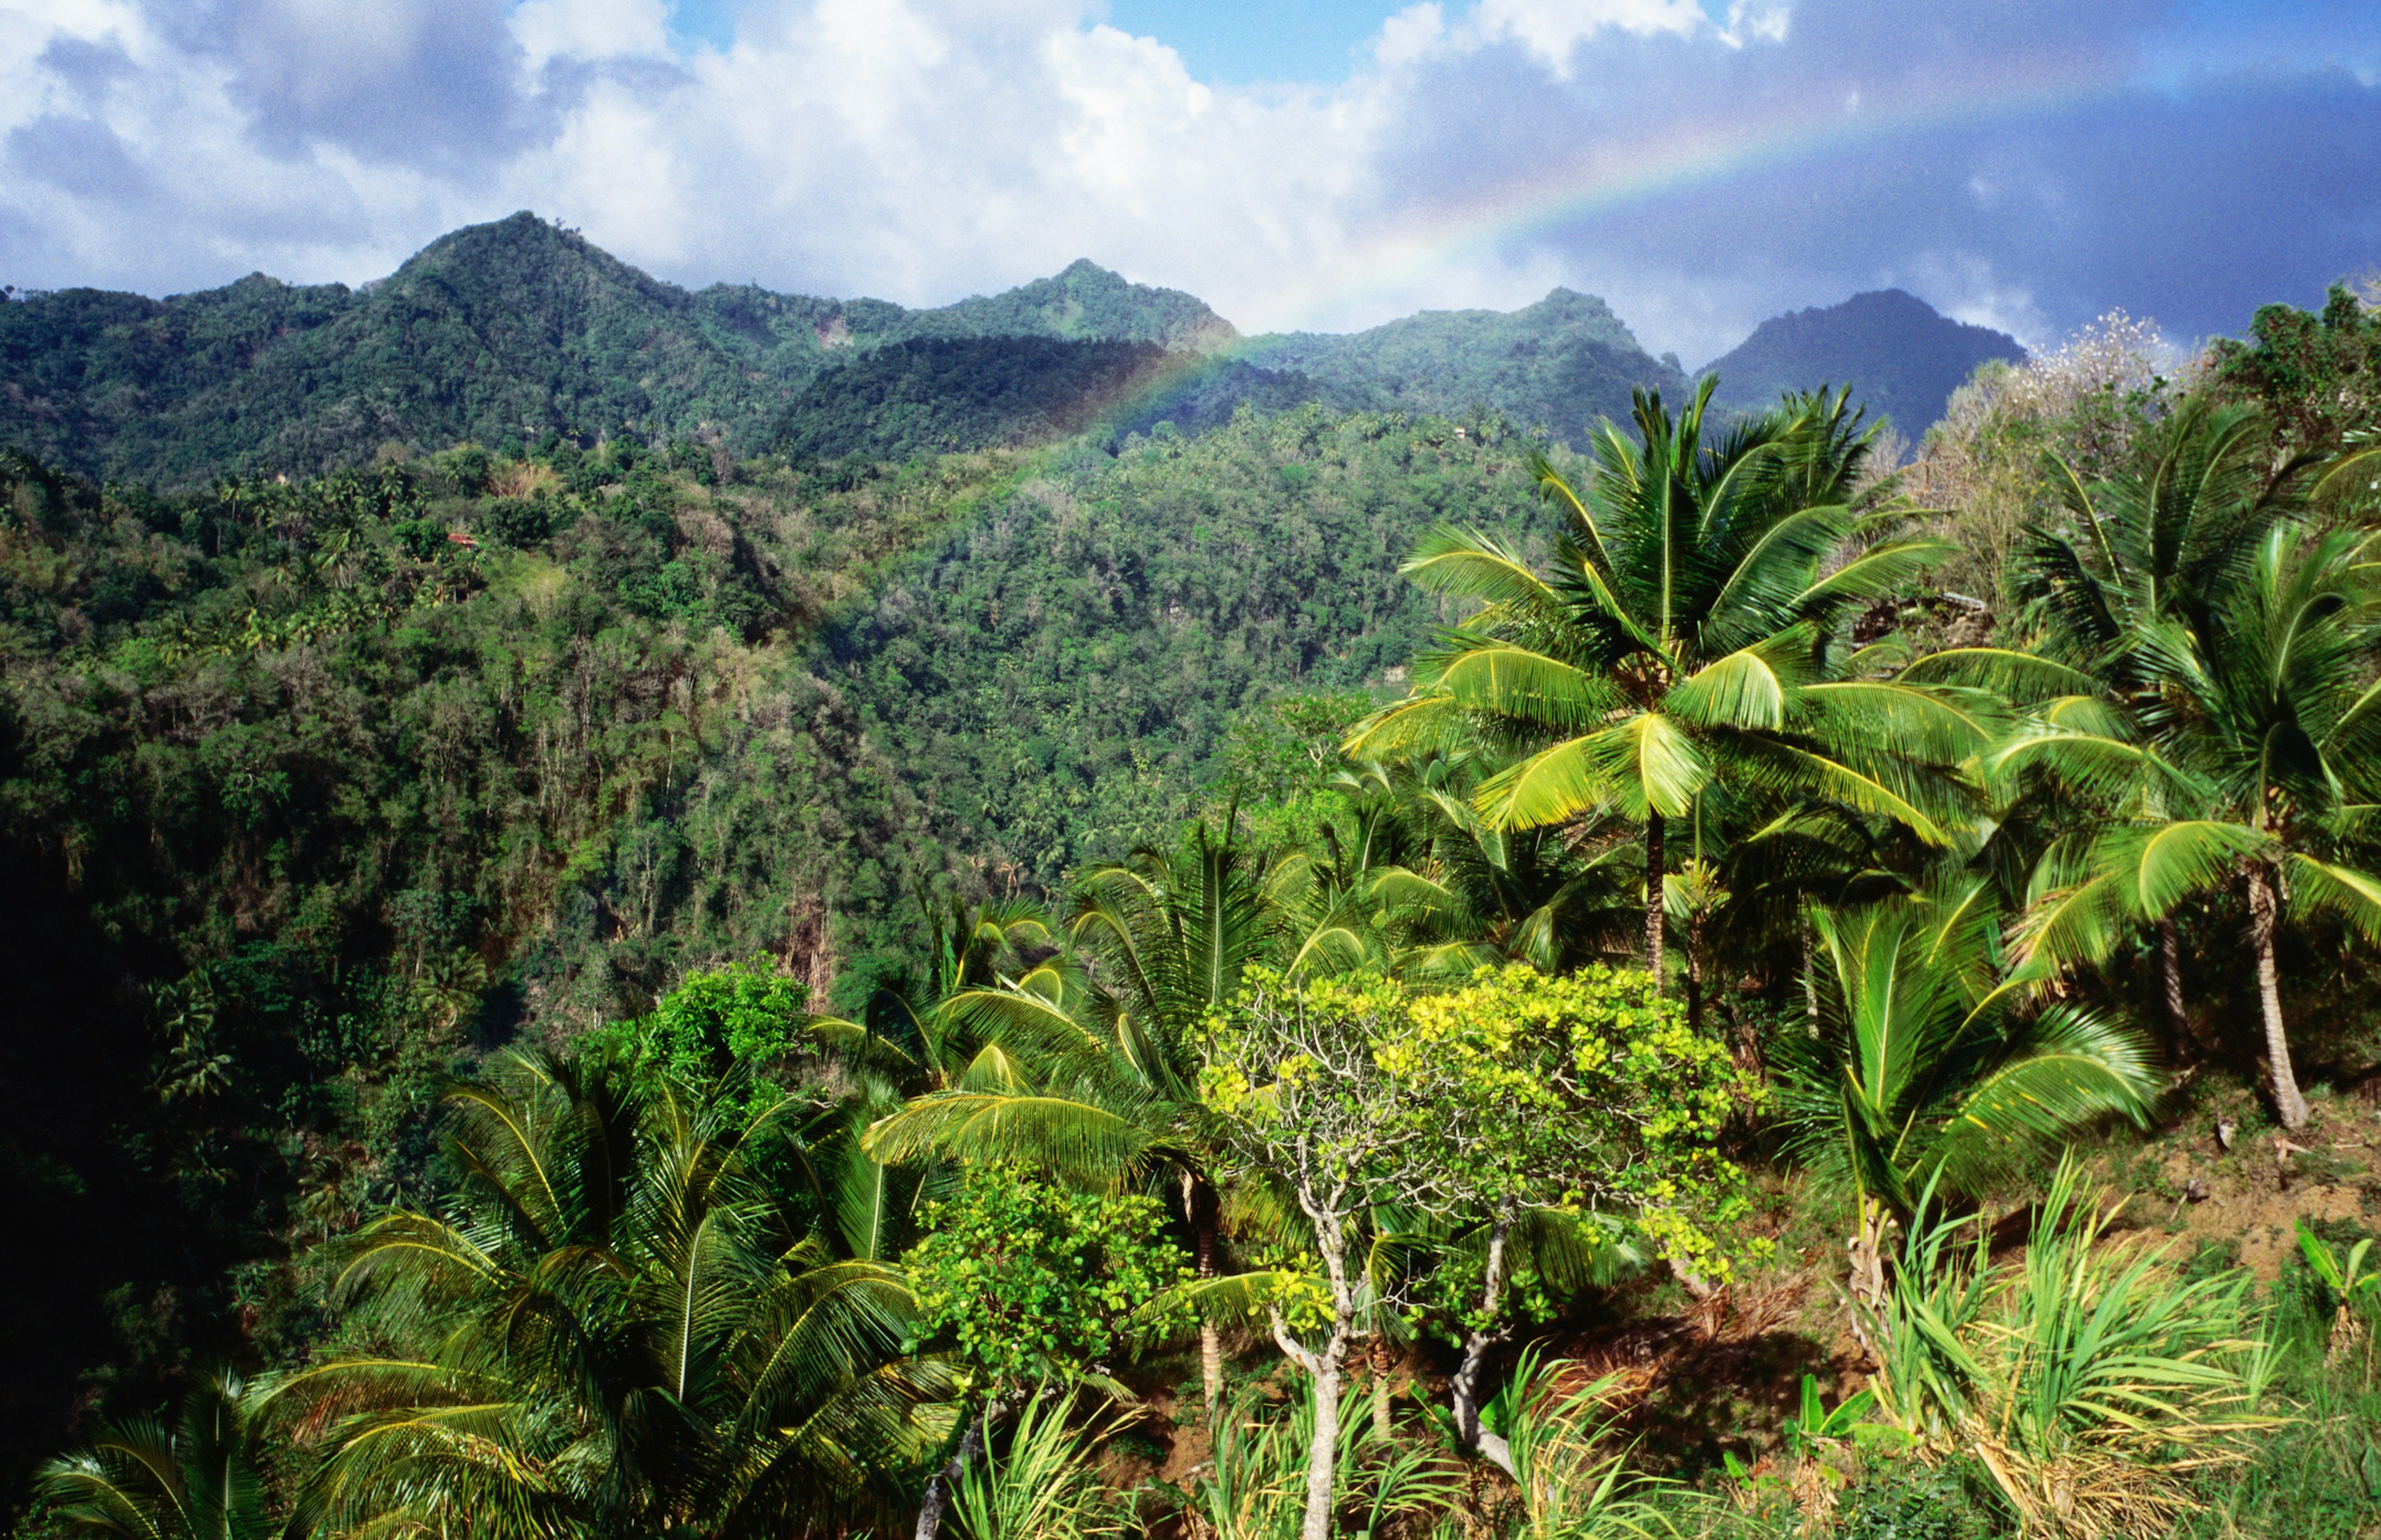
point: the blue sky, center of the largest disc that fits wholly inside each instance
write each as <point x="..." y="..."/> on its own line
<point x="1699" y="163"/>
<point x="1243" y="42"/>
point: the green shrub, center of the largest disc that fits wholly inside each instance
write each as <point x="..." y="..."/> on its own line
<point x="1907" y="1499"/>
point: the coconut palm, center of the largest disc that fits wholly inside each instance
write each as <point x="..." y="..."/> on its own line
<point x="631" y="1316"/>
<point x="1931" y="1065"/>
<point x="929" y="1032"/>
<point x="198" y="1480"/>
<point x="2249" y="758"/>
<point x="1110" y="1096"/>
<point x="2143" y="547"/>
<point x="1689" y="639"/>
<point x="1448" y="892"/>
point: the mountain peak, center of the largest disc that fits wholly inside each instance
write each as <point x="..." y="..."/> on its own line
<point x="1084" y="301"/>
<point x="1901" y="357"/>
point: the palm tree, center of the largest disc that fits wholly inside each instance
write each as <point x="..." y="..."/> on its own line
<point x="1448" y="892"/>
<point x="1687" y="643"/>
<point x="198" y="1481"/>
<point x="1110" y="1095"/>
<point x="2140" y="549"/>
<point x="2250" y="755"/>
<point x="1928" y="1066"/>
<point x="631" y="1316"/>
<point x="929" y="1033"/>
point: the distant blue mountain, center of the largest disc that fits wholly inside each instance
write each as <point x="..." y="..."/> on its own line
<point x="1901" y="358"/>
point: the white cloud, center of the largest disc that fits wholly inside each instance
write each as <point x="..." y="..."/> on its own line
<point x="1696" y="174"/>
<point x="591" y="30"/>
<point x="1553" y="29"/>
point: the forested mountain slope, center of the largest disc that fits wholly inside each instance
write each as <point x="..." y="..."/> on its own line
<point x="347" y="778"/>
<point x="1559" y="364"/>
<point x="504" y="333"/>
<point x="1900" y="357"/>
<point x="314" y="791"/>
<point x="496" y="333"/>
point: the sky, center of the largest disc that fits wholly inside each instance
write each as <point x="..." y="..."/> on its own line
<point x="1701" y="164"/>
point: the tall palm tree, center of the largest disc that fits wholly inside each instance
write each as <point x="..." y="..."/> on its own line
<point x="198" y="1480"/>
<point x="632" y="1316"/>
<point x="2252" y="755"/>
<point x="2147" y="546"/>
<point x="1930" y="1065"/>
<point x="1690" y="639"/>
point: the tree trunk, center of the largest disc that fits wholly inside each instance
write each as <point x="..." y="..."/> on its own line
<point x="1695" y="973"/>
<point x="2177" y="1019"/>
<point x="1326" y="1365"/>
<point x="2264" y="916"/>
<point x="1865" y="1283"/>
<point x="1810" y="978"/>
<point x="1381" y="1427"/>
<point x="1464" y="1388"/>
<point x="1323" y="1453"/>
<point x="1654" y="896"/>
<point x="938" y="1489"/>
<point x="1199" y="1207"/>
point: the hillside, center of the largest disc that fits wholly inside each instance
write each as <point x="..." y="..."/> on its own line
<point x="1902" y="358"/>
<point x="326" y="795"/>
<point x="507" y="332"/>
<point x="494" y="332"/>
<point x="1560" y="363"/>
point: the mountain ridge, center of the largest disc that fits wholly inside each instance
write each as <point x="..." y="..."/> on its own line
<point x="491" y="331"/>
<point x="1559" y="363"/>
<point x="507" y="330"/>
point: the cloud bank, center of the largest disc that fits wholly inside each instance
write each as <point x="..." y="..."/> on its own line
<point x="2025" y="162"/>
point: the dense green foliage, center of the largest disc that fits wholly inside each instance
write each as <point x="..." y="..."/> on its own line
<point x="1057" y="680"/>
<point x="496" y="333"/>
<point x="926" y="396"/>
<point x="715" y="1022"/>
<point x="1559" y="364"/>
<point x="2317" y="375"/>
<point x="1029" y="1282"/>
<point x="453" y="851"/>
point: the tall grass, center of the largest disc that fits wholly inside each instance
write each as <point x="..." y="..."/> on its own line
<point x="1253" y="1485"/>
<point x="1574" y="1482"/>
<point x="2088" y="1380"/>
<point x="1042" y="1486"/>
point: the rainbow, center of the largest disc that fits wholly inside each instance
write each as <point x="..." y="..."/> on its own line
<point x="1612" y="179"/>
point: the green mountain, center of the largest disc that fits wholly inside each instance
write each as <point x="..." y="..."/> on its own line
<point x="1902" y="358"/>
<point x="1560" y="363"/>
<point x="1084" y="303"/>
<point x="494" y="332"/>
<point x="508" y="332"/>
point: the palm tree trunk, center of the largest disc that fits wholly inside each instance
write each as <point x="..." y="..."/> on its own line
<point x="2263" y="917"/>
<point x="1199" y="1207"/>
<point x="1810" y="978"/>
<point x="1382" y="1427"/>
<point x="2178" y="1020"/>
<point x="1654" y="896"/>
<point x="1695" y="973"/>
<point x="1864" y="1292"/>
